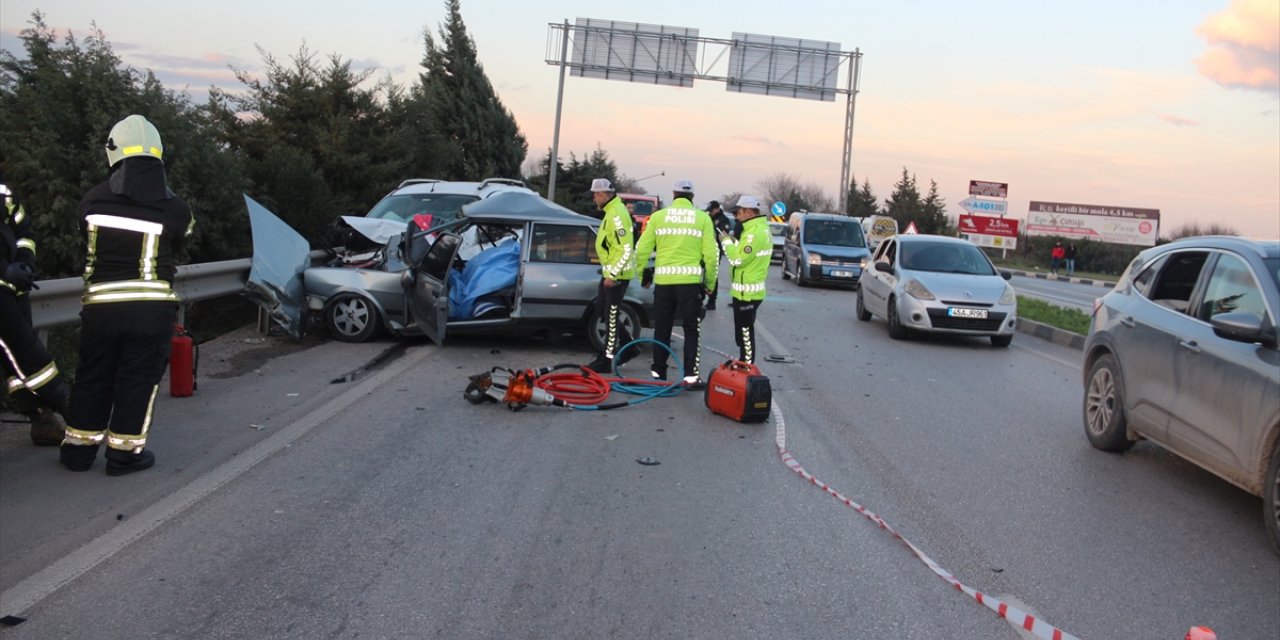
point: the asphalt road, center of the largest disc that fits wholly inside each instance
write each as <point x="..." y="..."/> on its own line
<point x="1070" y="295"/>
<point x="287" y="506"/>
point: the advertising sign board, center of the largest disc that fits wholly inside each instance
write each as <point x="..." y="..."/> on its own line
<point x="1117" y="225"/>
<point x="985" y="231"/>
<point x="989" y="189"/>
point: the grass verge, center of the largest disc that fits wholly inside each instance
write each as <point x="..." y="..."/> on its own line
<point x="1053" y="315"/>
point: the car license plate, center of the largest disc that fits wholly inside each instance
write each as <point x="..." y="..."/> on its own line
<point x="961" y="312"/>
<point x="841" y="274"/>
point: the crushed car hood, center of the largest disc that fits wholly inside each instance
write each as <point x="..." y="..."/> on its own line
<point x="280" y="255"/>
<point x="377" y="230"/>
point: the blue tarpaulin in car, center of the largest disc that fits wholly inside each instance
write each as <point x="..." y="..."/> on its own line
<point x="490" y="271"/>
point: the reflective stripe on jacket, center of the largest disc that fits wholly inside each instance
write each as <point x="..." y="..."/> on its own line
<point x="685" y="239"/>
<point x="615" y="242"/>
<point x="748" y="259"/>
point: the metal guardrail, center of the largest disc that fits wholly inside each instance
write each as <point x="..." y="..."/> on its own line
<point x="57" y="302"/>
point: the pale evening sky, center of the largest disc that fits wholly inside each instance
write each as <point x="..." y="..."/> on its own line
<point x="1169" y="105"/>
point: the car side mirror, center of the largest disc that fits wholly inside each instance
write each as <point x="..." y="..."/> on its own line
<point x="1007" y="275"/>
<point x="884" y="267"/>
<point x="1241" y="327"/>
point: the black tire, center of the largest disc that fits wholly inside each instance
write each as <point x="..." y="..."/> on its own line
<point x="1104" y="421"/>
<point x="1271" y="498"/>
<point x="861" y="307"/>
<point x="897" y="330"/>
<point x="597" y="331"/>
<point x="351" y="318"/>
<point x="800" y="279"/>
<point x="1001" y="341"/>
<point x="785" y="275"/>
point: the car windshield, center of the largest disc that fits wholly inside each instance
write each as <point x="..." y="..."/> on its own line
<point x="945" y="257"/>
<point x="640" y="207"/>
<point x="443" y="207"/>
<point x="835" y="233"/>
<point x="1273" y="270"/>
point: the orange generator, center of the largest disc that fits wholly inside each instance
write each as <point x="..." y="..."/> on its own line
<point x="737" y="390"/>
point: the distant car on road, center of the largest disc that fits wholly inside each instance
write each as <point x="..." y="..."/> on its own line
<point x="779" y="231"/>
<point x="938" y="284"/>
<point x="823" y="247"/>
<point x="1185" y="352"/>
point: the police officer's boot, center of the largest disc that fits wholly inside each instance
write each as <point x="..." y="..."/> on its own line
<point x="123" y="462"/>
<point x="47" y="428"/>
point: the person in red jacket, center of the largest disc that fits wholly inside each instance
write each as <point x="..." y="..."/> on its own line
<point x="1056" y="257"/>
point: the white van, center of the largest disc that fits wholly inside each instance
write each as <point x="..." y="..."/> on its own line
<point x="877" y="228"/>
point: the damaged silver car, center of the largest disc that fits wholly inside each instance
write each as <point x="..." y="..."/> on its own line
<point x="512" y="263"/>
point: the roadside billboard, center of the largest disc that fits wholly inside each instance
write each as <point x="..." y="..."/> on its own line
<point x="1117" y="225"/>
<point x="986" y="231"/>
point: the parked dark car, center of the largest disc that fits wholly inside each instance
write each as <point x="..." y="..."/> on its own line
<point x="1184" y="352"/>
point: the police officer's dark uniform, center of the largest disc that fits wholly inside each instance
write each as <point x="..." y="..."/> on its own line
<point x="133" y="226"/>
<point x="35" y="389"/>
<point x="723" y="225"/>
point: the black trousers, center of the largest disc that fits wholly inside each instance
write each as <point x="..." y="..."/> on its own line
<point x="609" y="307"/>
<point x="672" y="302"/>
<point x="29" y="371"/>
<point x="744" y="328"/>
<point x="124" y="349"/>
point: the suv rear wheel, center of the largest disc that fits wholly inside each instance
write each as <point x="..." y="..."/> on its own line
<point x="1271" y="498"/>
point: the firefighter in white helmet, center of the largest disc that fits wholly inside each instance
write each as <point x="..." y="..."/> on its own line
<point x="134" y="226"/>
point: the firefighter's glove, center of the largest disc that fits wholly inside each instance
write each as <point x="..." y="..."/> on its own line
<point x="21" y="275"/>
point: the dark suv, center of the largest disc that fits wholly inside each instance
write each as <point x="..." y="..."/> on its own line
<point x="1185" y="352"/>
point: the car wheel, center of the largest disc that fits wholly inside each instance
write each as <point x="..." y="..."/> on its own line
<point x="863" y="314"/>
<point x="1104" y="419"/>
<point x="800" y="279"/>
<point x="896" y="329"/>
<point x="597" y="332"/>
<point x="1001" y="341"/>
<point x="785" y="275"/>
<point x="351" y="318"/>
<point x="1271" y="498"/>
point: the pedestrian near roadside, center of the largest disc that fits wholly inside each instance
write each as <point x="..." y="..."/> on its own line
<point x="723" y="224"/>
<point x="683" y="238"/>
<point x="134" y="226"/>
<point x="615" y="247"/>
<point x="35" y="388"/>
<point x="748" y="257"/>
<point x="1069" y="254"/>
<point x="1055" y="257"/>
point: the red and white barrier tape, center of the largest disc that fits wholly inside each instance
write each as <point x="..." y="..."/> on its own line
<point x="1036" y="626"/>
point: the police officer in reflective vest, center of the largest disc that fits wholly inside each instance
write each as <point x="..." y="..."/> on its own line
<point x="133" y="226"/>
<point x="615" y="247"/>
<point x="684" y="238"/>
<point x="748" y="256"/>
<point x="35" y="389"/>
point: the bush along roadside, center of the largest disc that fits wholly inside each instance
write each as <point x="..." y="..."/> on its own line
<point x="1066" y="319"/>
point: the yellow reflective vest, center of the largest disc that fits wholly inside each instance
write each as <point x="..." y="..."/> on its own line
<point x="685" y="239"/>
<point x="748" y="258"/>
<point x="615" y="242"/>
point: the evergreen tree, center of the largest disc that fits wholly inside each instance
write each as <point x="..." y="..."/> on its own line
<point x="861" y="201"/>
<point x="481" y="135"/>
<point x="57" y="106"/>
<point x="904" y="203"/>
<point x="933" y="213"/>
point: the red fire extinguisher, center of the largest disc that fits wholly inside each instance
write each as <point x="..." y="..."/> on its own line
<point x="184" y="358"/>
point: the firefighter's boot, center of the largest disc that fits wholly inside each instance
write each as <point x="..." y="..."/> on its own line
<point x="120" y="463"/>
<point x="47" y="427"/>
<point x="77" y="457"/>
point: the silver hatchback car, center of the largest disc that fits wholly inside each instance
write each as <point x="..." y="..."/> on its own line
<point x="1185" y="352"/>
<point x="937" y="284"/>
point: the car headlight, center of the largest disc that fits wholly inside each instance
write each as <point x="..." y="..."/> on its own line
<point x="813" y="258"/>
<point x="917" y="290"/>
<point x="1008" y="297"/>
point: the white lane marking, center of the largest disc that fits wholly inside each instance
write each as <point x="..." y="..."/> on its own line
<point x="29" y="592"/>
<point x="1052" y="358"/>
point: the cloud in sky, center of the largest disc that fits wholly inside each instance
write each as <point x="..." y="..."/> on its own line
<point x="1244" y="46"/>
<point x="1179" y="121"/>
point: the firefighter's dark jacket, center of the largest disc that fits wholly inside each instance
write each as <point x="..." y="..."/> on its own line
<point x="134" y="225"/>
